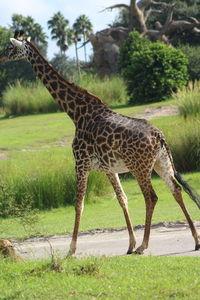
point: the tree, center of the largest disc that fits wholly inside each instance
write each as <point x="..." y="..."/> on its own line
<point x="32" y="29"/>
<point x="83" y="26"/>
<point x="60" y="31"/>
<point x="140" y="11"/>
<point x="165" y="27"/>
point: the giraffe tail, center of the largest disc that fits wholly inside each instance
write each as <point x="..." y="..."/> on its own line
<point x="188" y="189"/>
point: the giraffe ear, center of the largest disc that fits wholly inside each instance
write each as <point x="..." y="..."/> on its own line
<point x="29" y="39"/>
<point x="16" y="43"/>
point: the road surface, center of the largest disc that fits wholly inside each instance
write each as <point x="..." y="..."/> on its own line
<point x="167" y="239"/>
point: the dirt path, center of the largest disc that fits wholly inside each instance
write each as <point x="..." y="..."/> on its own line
<point x="167" y="239"/>
<point x="158" y="111"/>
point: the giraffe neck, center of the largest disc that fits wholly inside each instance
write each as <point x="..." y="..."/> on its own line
<point x="74" y="100"/>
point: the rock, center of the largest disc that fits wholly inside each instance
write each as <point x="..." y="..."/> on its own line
<point x="7" y="250"/>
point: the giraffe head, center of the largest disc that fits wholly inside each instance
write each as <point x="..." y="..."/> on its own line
<point x="16" y="49"/>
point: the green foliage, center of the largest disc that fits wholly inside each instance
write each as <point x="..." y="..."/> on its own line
<point x="134" y="43"/>
<point x="192" y="53"/>
<point x="22" y="99"/>
<point x="153" y="71"/>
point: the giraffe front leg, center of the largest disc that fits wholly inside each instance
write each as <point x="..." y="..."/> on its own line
<point x="82" y="177"/>
<point x="114" y="179"/>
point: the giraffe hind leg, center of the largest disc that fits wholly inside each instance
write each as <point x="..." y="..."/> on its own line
<point x="150" y="201"/>
<point x="164" y="169"/>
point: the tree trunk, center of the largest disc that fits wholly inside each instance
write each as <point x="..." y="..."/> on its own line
<point x="77" y="60"/>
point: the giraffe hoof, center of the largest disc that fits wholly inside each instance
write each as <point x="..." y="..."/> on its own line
<point x="139" y="251"/>
<point x="197" y="247"/>
<point x="129" y="252"/>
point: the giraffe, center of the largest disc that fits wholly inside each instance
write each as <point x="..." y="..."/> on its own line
<point x="108" y="142"/>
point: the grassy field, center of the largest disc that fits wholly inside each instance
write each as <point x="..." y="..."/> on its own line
<point x="130" y="277"/>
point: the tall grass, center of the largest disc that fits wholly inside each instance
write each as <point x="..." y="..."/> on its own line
<point x="185" y="146"/>
<point x="111" y="90"/>
<point x="189" y="100"/>
<point x="47" y="178"/>
<point x="32" y="98"/>
<point x="183" y="138"/>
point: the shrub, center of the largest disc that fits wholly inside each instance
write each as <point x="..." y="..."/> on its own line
<point x="24" y="99"/>
<point x="153" y="71"/>
<point x="134" y="43"/>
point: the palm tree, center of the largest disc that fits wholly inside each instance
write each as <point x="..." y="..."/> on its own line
<point x="83" y="26"/>
<point x="75" y="36"/>
<point x="60" y="31"/>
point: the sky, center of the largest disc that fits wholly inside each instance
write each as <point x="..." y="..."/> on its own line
<point x="43" y="10"/>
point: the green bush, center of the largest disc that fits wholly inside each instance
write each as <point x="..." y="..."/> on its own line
<point x="152" y="71"/>
<point x="26" y="99"/>
<point x="134" y="43"/>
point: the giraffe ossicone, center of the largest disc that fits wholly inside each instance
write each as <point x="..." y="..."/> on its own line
<point x="108" y="142"/>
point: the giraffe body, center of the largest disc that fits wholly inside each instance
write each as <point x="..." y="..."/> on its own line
<point x="107" y="142"/>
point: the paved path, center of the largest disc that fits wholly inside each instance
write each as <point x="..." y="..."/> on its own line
<point x="166" y="240"/>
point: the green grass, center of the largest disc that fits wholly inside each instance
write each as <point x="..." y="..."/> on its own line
<point x="129" y="277"/>
<point x="43" y="130"/>
<point x="36" y="131"/>
<point x="105" y="212"/>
